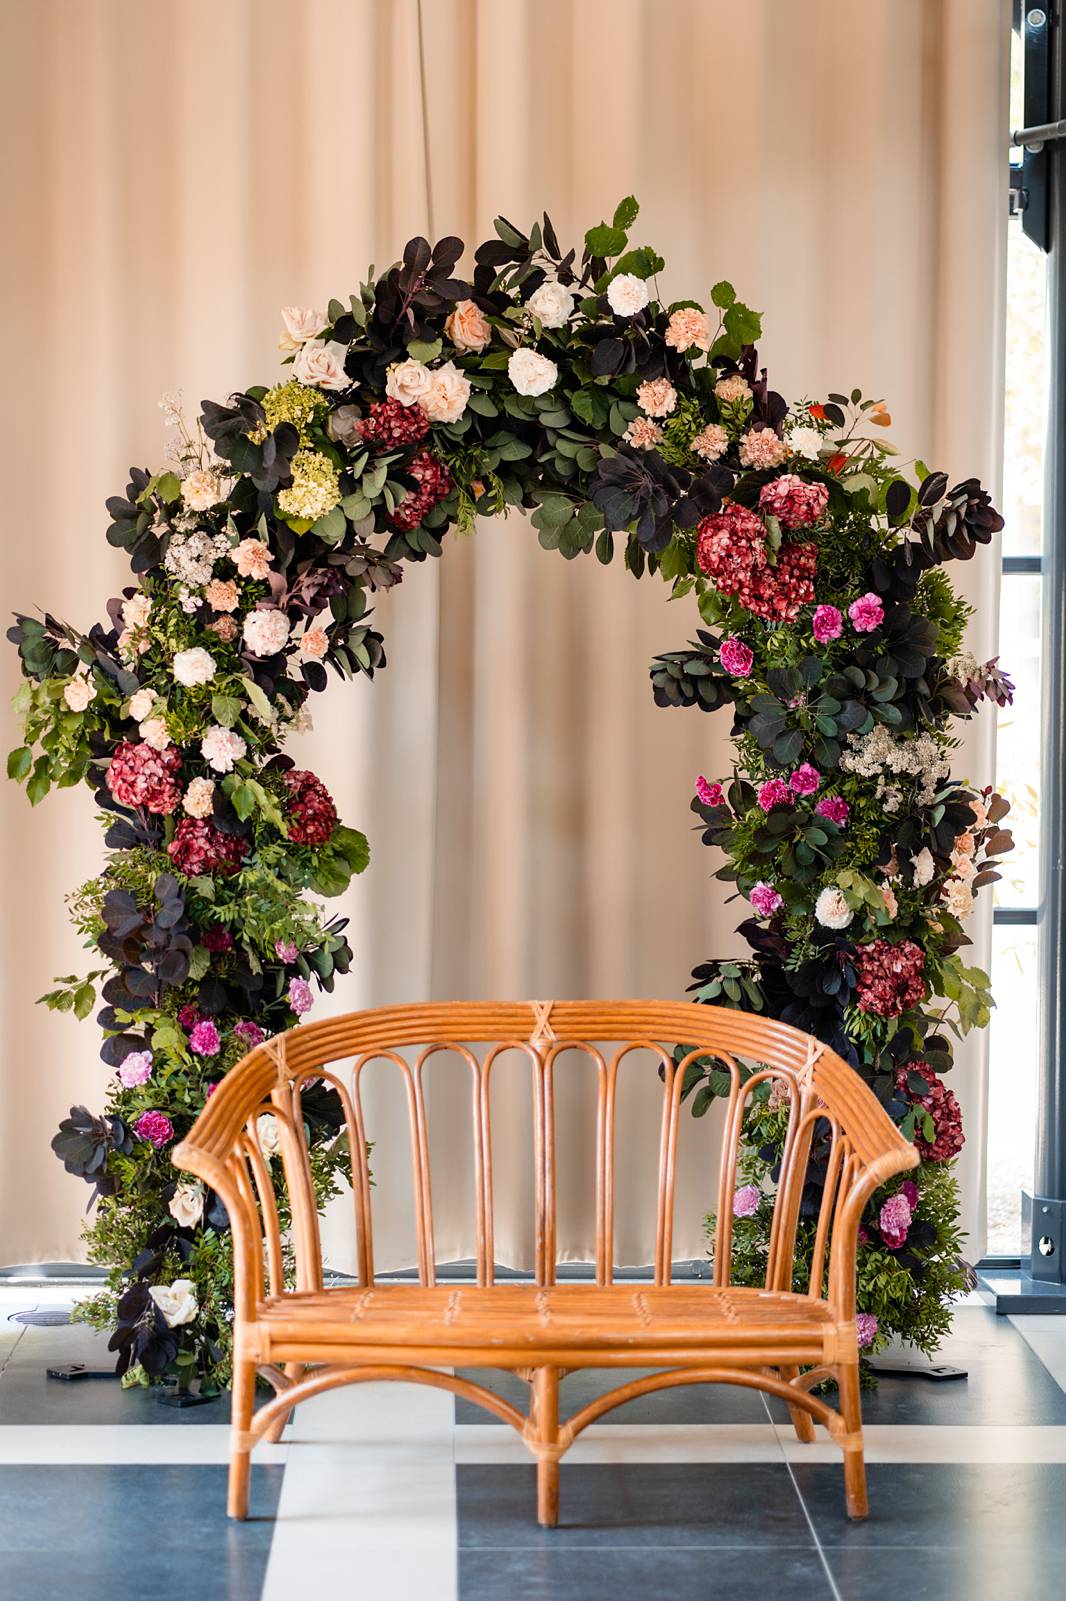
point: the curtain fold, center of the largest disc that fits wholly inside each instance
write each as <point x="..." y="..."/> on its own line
<point x="173" y="175"/>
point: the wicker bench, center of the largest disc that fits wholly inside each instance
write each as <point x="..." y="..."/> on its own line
<point x="306" y="1339"/>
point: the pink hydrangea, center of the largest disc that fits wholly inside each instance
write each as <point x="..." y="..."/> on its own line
<point x="866" y="613"/>
<point x="805" y="780"/>
<point x="709" y="794"/>
<point x="894" y="1221"/>
<point x="826" y="624"/>
<point x="204" y="1040"/>
<point x="764" y="899"/>
<point x="249" y="1033"/>
<point x="775" y="792"/>
<point x="136" y="1069"/>
<point x="301" y="998"/>
<point x="735" y="656"/>
<point x="890" y="976"/>
<point x="746" y="1200"/>
<point x="835" y="807"/>
<point x="155" y="1127"/>
<point x="865" y="1328"/>
<point x="794" y="502"/>
<point x="141" y="776"/>
<point x="286" y="951"/>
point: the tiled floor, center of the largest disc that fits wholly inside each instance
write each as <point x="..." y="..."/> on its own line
<point x="406" y="1493"/>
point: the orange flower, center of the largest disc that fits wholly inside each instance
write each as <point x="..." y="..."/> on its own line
<point x="877" y="414"/>
<point x="817" y="411"/>
<point x="835" y="463"/>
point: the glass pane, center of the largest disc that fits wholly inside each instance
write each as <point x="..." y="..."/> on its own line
<point x="1012" y="1086"/>
<point x="1018" y="736"/>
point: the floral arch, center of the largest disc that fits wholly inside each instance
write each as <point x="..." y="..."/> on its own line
<point x="565" y="386"/>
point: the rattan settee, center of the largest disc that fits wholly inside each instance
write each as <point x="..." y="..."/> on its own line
<point x="305" y="1339"/>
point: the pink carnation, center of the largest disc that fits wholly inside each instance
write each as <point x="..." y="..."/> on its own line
<point x="826" y="624"/>
<point x="865" y="1328"/>
<point x="794" y="502"/>
<point x="643" y="434"/>
<point x="805" y="780"/>
<point x="657" y="397"/>
<point x="866" y="613"/>
<point x="249" y="1033"/>
<point x="285" y="950"/>
<point x="765" y="899"/>
<point x="711" y="442"/>
<point x="135" y="1069"/>
<point x="735" y="656"/>
<point x="835" y="807"/>
<point x="204" y="1040"/>
<point x="301" y="998"/>
<point x="775" y="792"/>
<point x="156" y="1127"/>
<point x="894" y="1221"/>
<point x="746" y="1200"/>
<point x="709" y="794"/>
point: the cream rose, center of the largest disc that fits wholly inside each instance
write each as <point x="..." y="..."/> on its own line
<point x="627" y="294"/>
<point x="186" y="1205"/>
<point x="321" y="364"/>
<point x="176" y="1301"/>
<point x="298" y="326"/>
<point x="448" y="393"/>
<point x="201" y="490"/>
<point x="552" y="304"/>
<point x="531" y="373"/>
<point x="408" y="381"/>
<point x="79" y="692"/>
<point x="266" y="1128"/>
<point x="923" y="867"/>
<point x="141" y="704"/>
<point x="467" y="327"/>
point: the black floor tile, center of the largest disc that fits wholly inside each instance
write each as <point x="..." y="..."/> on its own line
<point x="943" y="1505"/>
<point x="621" y="1506"/>
<point x="690" y="1403"/>
<point x="790" y="1574"/>
<point x="889" y="1573"/>
<point x="125" y="1532"/>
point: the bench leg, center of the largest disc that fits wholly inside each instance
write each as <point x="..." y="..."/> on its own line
<point x="241" y="1402"/>
<point x="854" y="1461"/>
<point x="295" y="1371"/>
<point x="802" y="1421"/>
<point x="546" y="1426"/>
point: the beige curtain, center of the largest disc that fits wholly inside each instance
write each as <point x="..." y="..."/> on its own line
<point x="176" y="172"/>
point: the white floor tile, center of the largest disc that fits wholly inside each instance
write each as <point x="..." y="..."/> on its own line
<point x="1047" y="1337"/>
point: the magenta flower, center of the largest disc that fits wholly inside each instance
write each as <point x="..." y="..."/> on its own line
<point x="835" y="807"/>
<point x="866" y="613"/>
<point x="746" y="1200"/>
<point x="765" y="899"/>
<point x="805" y="780"/>
<point x="866" y="1328"/>
<point x="735" y="656"/>
<point x="775" y="792"/>
<point x="910" y="1190"/>
<point x="301" y="998"/>
<point x="204" y="1040"/>
<point x="826" y="624"/>
<point x="709" y="794"/>
<point x="216" y="938"/>
<point x="135" y="1069"/>
<point x="155" y="1127"/>
<point x="189" y="1016"/>
<point x="250" y="1033"/>
<point x="894" y="1221"/>
<point x="286" y="951"/>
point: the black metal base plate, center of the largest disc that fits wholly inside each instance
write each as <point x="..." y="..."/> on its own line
<point x="1017" y="1294"/>
<point x="897" y="1367"/>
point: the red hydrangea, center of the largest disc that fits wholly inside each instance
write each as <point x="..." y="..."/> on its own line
<point x="943" y="1108"/>
<point x="732" y="552"/>
<point x="780" y="593"/>
<point x="139" y="775"/>
<point x="434" y="481"/>
<point x="216" y="938"/>
<point x="199" y="847"/>
<point x="890" y="976"/>
<point x="794" y="502"/>
<point x="311" y="815"/>
<point x="388" y="424"/>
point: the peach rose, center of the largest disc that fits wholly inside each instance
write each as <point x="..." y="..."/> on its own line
<point x="448" y="394"/>
<point x="467" y="327"/>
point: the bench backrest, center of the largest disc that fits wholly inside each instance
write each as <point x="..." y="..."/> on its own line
<point x="858" y="1143"/>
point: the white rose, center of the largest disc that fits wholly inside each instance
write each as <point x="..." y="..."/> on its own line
<point x="321" y="364"/>
<point x="199" y="798"/>
<point x="195" y="666"/>
<point x="299" y="326"/>
<point x="266" y="1128"/>
<point x="79" y="692"/>
<point x="964" y="866"/>
<point x="805" y="441"/>
<point x="141" y="704"/>
<point x="408" y="381"/>
<point x="552" y="303"/>
<point x="266" y="632"/>
<point x="923" y="866"/>
<point x="831" y="909"/>
<point x="135" y="610"/>
<point x="201" y="490"/>
<point x="176" y="1301"/>
<point x="154" y="732"/>
<point x="448" y="394"/>
<point x="627" y="294"/>
<point x="958" y="898"/>
<point x="530" y="372"/>
<point x="186" y="1205"/>
<point x="220" y="748"/>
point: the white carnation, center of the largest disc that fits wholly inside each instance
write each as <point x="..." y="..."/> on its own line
<point x="627" y="294"/>
<point x="154" y="732"/>
<point x="266" y="632"/>
<point x="221" y="747"/>
<point x="201" y="490"/>
<point x="320" y="363"/>
<point x="923" y="866"/>
<point x="199" y="800"/>
<point x="530" y="372"/>
<point x="805" y="441"/>
<point x="195" y="666"/>
<point x="831" y="908"/>
<point x="176" y="1301"/>
<point x="552" y="303"/>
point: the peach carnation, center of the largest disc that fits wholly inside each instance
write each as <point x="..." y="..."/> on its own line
<point x="643" y="434"/>
<point x="657" y="397"/>
<point x="314" y="643"/>
<point x="762" y="448"/>
<point x="252" y="558"/>
<point x="712" y="442"/>
<point x="222" y="594"/>
<point x="688" y="327"/>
